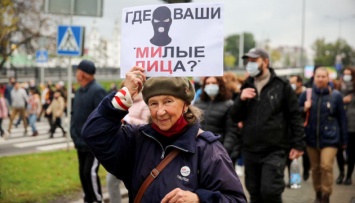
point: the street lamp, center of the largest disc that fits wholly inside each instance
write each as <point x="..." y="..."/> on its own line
<point x="241" y="50"/>
<point x="302" y="33"/>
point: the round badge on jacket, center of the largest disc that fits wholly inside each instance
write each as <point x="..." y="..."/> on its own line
<point x="185" y="171"/>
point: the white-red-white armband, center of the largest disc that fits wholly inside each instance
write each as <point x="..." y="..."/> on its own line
<point x="122" y="99"/>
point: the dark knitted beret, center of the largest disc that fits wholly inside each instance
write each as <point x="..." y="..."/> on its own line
<point x="87" y="66"/>
<point x="179" y="87"/>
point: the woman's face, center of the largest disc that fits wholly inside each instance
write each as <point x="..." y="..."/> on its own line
<point x="347" y="72"/>
<point x="211" y="80"/>
<point x="165" y="110"/>
<point x="56" y="94"/>
<point x="321" y="78"/>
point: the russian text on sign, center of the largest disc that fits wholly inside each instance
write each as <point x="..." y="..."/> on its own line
<point x="179" y="14"/>
<point x="195" y="52"/>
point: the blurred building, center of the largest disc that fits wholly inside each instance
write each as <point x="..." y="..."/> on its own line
<point x="104" y="52"/>
<point x="288" y="57"/>
<point x="96" y="47"/>
<point x="113" y="47"/>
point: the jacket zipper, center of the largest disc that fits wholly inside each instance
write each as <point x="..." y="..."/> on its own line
<point x="318" y="118"/>
<point x="162" y="148"/>
<point x="163" y="154"/>
<point x="207" y="111"/>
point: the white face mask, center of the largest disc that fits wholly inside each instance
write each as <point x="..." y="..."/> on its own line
<point x="253" y="69"/>
<point x="293" y="86"/>
<point x="347" y="78"/>
<point x="211" y="90"/>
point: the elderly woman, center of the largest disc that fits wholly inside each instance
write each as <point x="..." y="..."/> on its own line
<point x="202" y="170"/>
<point x="325" y="130"/>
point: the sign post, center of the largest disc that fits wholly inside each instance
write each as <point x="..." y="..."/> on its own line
<point x="41" y="59"/>
<point x="70" y="40"/>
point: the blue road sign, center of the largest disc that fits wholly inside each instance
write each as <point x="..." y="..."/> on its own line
<point x="41" y="56"/>
<point x="70" y="40"/>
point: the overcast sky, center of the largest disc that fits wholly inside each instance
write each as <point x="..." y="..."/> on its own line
<point x="280" y="21"/>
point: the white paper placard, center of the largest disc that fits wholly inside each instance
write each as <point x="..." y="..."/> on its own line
<point x="173" y="39"/>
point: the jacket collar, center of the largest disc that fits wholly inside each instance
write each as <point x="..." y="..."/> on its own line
<point x="84" y="89"/>
<point x="321" y="91"/>
<point x="185" y="142"/>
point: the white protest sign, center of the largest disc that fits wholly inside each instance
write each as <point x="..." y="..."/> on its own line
<point x="173" y="39"/>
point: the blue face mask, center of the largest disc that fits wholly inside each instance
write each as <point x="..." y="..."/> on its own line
<point x="211" y="90"/>
<point x="253" y="69"/>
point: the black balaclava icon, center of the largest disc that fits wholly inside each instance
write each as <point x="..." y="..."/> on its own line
<point x="161" y="24"/>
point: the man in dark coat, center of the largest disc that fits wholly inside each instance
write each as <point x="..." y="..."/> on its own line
<point x="268" y="107"/>
<point x="87" y="98"/>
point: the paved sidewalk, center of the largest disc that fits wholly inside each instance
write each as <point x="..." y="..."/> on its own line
<point x="306" y="194"/>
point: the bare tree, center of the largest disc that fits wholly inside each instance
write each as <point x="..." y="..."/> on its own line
<point x="22" y="24"/>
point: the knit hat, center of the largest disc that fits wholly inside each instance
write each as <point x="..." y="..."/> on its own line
<point x="87" y="66"/>
<point x="179" y="87"/>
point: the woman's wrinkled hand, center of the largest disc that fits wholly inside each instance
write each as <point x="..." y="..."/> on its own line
<point x="135" y="79"/>
<point x="179" y="195"/>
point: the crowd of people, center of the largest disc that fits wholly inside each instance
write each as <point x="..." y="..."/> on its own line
<point x="208" y="126"/>
<point x="27" y="102"/>
<point x="262" y="121"/>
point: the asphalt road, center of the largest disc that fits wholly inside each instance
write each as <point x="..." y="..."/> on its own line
<point x="18" y="143"/>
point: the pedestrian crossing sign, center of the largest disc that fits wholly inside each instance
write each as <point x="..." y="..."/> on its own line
<point x="41" y="56"/>
<point x="70" y="40"/>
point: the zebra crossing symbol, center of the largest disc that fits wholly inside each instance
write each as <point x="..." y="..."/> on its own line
<point x="70" y="40"/>
<point x="41" y="56"/>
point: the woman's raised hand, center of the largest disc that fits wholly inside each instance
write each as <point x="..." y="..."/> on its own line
<point x="135" y="79"/>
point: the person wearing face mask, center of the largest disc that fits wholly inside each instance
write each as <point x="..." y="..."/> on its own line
<point x="215" y="102"/>
<point x="268" y="107"/>
<point x="347" y="89"/>
<point x="297" y="85"/>
<point x="200" y="171"/>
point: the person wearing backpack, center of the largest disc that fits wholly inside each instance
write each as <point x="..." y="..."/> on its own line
<point x="325" y="129"/>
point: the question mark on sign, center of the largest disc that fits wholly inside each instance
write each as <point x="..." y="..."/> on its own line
<point x="194" y="64"/>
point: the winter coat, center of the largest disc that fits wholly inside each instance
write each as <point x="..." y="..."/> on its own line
<point x="85" y="101"/>
<point x="19" y="98"/>
<point x="56" y="107"/>
<point x="347" y="89"/>
<point x="350" y="113"/>
<point x="327" y="125"/>
<point x="216" y="119"/>
<point x="269" y="116"/>
<point x="130" y="152"/>
<point x="34" y="104"/>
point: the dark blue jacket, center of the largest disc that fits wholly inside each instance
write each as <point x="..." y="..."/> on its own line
<point x="327" y="124"/>
<point x="85" y="101"/>
<point x="130" y="153"/>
